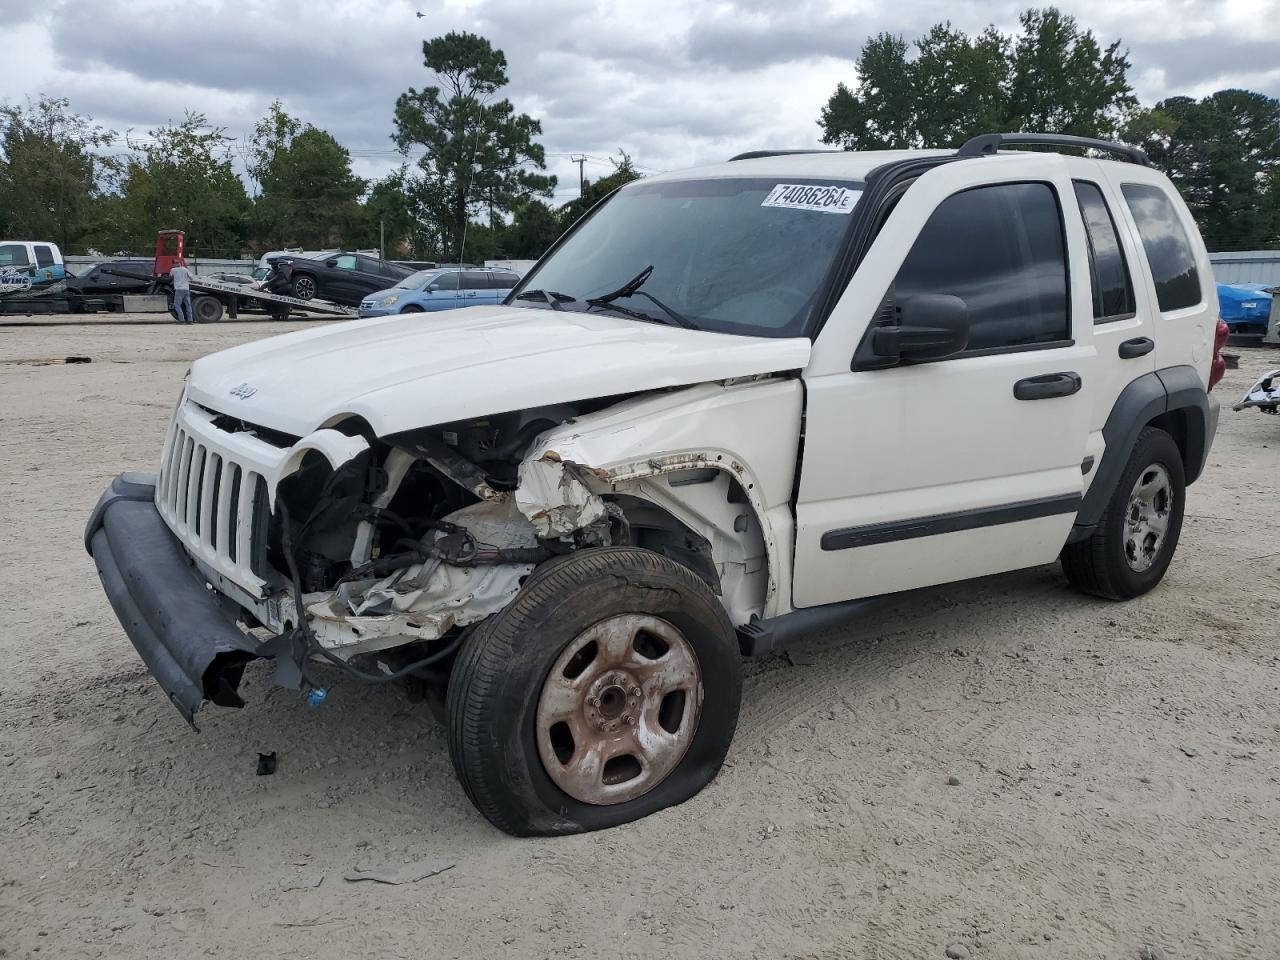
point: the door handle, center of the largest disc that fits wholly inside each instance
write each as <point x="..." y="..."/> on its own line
<point x="1047" y="385"/>
<point x="1137" y="347"/>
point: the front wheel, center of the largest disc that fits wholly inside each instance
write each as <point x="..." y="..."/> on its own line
<point x="304" y="287"/>
<point x="1131" y="549"/>
<point x="412" y="308"/>
<point x="607" y="690"/>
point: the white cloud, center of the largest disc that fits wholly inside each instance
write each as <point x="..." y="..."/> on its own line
<point x="675" y="84"/>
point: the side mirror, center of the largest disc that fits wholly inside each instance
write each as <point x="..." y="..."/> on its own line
<point x="432" y="288"/>
<point x="931" y="326"/>
<point x="331" y="262"/>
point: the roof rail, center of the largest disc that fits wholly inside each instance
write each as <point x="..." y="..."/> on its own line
<point x="757" y="154"/>
<point x="988" y="143"/>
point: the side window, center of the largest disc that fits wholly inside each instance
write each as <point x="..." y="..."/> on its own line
<point x="346" y="263"/>
<point x="1112" y="288"/>
<point x="1000" y="250"/>
<point x="13" y="255"/>
<point x="446" y="281"/>
<point x="474" y="280"/>
<point x="1173" y="264"/>
<point x="44" y="256"/>
<point x="503" y="281"/>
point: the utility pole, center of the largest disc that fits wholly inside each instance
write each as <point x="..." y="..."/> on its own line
<point x="582" y="183"/>
<point x="382" y="239"/>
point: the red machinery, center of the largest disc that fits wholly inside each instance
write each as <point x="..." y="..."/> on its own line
<point x="168" y="251"/>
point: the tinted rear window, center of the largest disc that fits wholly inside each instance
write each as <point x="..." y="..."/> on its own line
<point x="1173" y="263"/>
<point x="1112" y="290"/>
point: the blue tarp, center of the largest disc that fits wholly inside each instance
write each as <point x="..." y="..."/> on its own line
<point x="1246" y="307"/>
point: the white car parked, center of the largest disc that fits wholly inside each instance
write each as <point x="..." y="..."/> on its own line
<point x="725" y="408"/>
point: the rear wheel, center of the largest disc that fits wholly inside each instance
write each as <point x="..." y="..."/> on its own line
<point x="607" y="690"/>
<point x="1131" y="549"/>
<point x="206" y="309"/>
<point x="304" y="287"/>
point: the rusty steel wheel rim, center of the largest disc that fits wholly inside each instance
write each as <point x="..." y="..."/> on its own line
<point x="619" y="709"/>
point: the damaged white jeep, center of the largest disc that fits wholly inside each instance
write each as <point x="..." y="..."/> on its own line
<point x="725" y="408"/>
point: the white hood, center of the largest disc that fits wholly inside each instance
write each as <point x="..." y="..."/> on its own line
<point x="414" y="370"/>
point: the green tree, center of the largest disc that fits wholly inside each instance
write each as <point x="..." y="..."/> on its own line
<point x="388" y="217"/>
<point x="475" y="152"/>
<point x="52" y="176"/>
<point x="879" y="112"/>
<point x="960" y="84"/>
<point x="181" y="177"/>
<point x="1223" y="154"/>
<point x="593" y="191"/>
<point x="1052" y="77"/>
<point x="534" y="228"/>
<point x="1064" y="82"/>
<point x="308" y="195"/>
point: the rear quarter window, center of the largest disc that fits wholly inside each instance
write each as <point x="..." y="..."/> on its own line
<point x="1167" y="246"/>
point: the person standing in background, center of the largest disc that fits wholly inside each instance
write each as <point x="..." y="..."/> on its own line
<point x="181" y="278"/>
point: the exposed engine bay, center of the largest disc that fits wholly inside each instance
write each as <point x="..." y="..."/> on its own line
<point x="425" y="532"/>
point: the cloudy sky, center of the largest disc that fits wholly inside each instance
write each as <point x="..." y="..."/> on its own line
<point x="672" y="83"/>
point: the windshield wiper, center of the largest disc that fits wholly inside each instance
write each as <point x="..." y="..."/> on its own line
<point x="550" y="296"/>
<point x="632" y="289"/>
<point x="626" y="290"/>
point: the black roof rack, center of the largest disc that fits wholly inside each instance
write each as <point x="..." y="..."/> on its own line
<point x="989" y="143"/>
<point x="757" y="154"/>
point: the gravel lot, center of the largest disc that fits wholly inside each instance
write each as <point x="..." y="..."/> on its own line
<point x="1116" y="763"/>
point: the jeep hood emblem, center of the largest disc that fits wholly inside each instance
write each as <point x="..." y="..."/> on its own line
<point x="244" y="391"/>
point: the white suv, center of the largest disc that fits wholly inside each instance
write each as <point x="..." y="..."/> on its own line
<point x="727" y="406"/>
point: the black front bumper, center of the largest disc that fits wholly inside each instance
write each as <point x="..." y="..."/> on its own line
<point x="182" y="631"/>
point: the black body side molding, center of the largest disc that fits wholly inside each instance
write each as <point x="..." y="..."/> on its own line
<point x="874" y="533"/>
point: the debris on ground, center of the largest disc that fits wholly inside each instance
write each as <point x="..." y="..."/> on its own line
<point x="400" y="873"/>
<point x="304" y="882"/>
<point x="266" y="764"/>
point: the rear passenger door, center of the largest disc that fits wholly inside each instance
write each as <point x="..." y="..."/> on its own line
<point x="930" y="472"/>
<point x="1179" y="288"/>
<point x="475" y="288"/>
<point x="502" y="283"/>
<point x="1123" y="310"/>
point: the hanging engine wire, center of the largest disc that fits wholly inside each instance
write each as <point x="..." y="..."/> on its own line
<point x="312" y="645"/>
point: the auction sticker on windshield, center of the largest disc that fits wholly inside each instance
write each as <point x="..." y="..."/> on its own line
<point x="808" y="196"/>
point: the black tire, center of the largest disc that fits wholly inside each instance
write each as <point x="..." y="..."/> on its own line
<point x="412" y="308"/>
<point x="304" y="286"/>
<point x="1100" y="565"/>
<point x="498" y="678"/>
<point x="205" y="309"/>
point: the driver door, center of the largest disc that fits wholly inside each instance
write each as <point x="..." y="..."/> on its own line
<point x="929" y="472"/>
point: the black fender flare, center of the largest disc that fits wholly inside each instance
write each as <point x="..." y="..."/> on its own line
<point x="1173" y="398"/>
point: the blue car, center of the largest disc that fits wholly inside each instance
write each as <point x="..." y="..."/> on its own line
<point x="441" y="289"/>
<point x="1245" y="307"/>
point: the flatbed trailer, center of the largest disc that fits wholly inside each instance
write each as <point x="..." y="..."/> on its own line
<point x="210" y="298"/>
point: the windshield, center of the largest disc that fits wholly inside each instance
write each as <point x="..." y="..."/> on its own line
<point x="735" y="255"/>
<point x="416" y="281"/>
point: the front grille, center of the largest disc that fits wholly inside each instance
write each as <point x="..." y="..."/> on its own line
<point x="214" y="504"/>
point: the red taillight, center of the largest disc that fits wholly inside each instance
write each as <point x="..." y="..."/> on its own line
<point x="1218" y="366"/>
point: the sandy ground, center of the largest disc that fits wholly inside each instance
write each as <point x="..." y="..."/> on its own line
<point x="1117" y="763"/>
